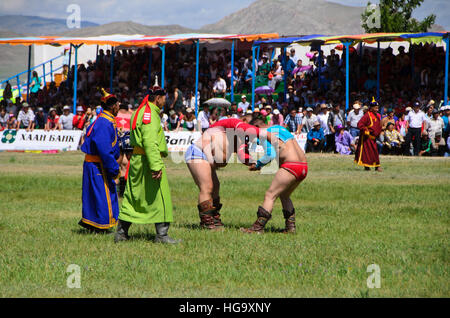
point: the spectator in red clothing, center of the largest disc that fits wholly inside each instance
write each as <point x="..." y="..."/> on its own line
<point x="79" y="119"/>
<point x="52" y="121"/>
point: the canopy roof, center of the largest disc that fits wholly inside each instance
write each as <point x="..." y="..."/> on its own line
<point x="133" y="40"/>
<point x="414" y="38"/>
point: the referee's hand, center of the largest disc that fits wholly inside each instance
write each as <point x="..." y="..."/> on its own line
<point x="157" y="174"/>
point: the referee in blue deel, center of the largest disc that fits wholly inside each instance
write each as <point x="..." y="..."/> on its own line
<point x="100" y="169"/>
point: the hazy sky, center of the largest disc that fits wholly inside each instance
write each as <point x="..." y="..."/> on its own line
<point x="188" y="13"/>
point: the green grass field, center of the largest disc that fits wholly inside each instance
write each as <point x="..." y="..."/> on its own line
<point x="347" y="219"/>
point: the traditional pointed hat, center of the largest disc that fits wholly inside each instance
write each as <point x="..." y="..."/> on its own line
<point x="106" y="95"/>
<point x="373" y="103"/>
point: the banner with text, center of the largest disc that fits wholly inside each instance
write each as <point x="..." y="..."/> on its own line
<point x="38" y="139"/>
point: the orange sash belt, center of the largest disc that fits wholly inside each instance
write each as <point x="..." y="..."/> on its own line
<point x="138" y="150"/>
<point x="92" y="158"/>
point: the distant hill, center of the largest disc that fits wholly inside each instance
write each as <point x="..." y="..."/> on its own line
<point x="289" y="17"/>
<point x="128" y="27"/>
<point x="36" y="25"/>
<point x="14" y="58"/>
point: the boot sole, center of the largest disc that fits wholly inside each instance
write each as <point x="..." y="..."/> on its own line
<point x="118" y="239"/>
<point x="248" y="231"/>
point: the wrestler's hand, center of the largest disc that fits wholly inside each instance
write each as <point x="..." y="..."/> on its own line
<point x="157" y="174"/>
<point x="253" y="167"/>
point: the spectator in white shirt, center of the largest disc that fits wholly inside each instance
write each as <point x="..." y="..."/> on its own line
<point x="164" y="119"/>
<point x="322" y="117"/>
<point x="220" y="86"/>
<point x="352" y="120"/>
<point x="244" y="104"/>
<point x="308" y="120"/>
<point x="415" y="119"/>
<point x="435" y="130"/>
<point x="66" y="119"/>
<point x="203" y="118"/>
<point x="25" y="119"/>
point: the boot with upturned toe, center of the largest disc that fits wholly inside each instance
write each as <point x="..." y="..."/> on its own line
<point x="258" y="227"/>
<point x="162" y="236"/>
<point x="216" y="215"/>
<point x="289" y="217"/>
<point x="209" y="216"/>
<point x="122" y="231"/>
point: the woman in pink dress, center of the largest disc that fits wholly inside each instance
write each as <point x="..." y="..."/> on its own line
<point x="401" y="125"/>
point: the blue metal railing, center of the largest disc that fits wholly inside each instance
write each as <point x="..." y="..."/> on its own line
<point x="44" y="74"/>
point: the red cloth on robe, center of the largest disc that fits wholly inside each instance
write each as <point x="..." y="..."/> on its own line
<point x="367" y="152"/>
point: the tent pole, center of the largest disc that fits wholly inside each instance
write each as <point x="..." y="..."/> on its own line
<point x="29" y="74"/>
<point x="285" y="73"/>
<point x="320" y="66"/>
<point x="347" y="79"/>
<point x="197" y="53"/>
<point x="411" y="48"/>
<point x="447" y="47"/>
<point x="96" y="56"/>
<point x="75" y="81"/>
<point x="253" y="77"/>
<point x="163" y="62"/>
<point x="232" y="71"/>
<point x="272" y="56"/>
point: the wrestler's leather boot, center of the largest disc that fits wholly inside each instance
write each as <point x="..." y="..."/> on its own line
<point x="217" y="205"/>
<point x="289" y="217"/>
<point x="258" y="227"/>
<point x="122" y="231"/>
<point x="162" y="236"/>
<point x="206" y="212"/>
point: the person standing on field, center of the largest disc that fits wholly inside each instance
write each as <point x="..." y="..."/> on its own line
<point x="147" y="198"/>
<point x="100" y="208"/>
<point x="366" y="154"/>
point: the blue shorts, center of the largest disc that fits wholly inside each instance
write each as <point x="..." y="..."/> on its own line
<point x="194" y="152"/>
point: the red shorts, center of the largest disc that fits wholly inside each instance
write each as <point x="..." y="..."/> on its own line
<point x="298" y="169"/>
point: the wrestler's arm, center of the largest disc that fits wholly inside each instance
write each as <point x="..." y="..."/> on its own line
<point x="269" y="154"/>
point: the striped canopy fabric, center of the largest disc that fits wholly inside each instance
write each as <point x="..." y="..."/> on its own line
<point x="414" y="38"/>
<point x="134" y="40"/>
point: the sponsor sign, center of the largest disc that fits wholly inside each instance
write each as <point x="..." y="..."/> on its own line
<point x="181" y="140"/>
<point x="39" y="139"/>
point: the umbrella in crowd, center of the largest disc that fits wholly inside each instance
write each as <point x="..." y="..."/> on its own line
<point x="221" y="102"/>
<point x="264" y="90"/>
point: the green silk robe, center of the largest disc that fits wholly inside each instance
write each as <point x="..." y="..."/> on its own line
<point x="147" y="200"/>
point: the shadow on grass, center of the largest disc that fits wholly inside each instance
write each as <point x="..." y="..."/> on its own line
<point x="83" y="231"/>
<point x="237" y="227"/>
<point x="142" y="236"/>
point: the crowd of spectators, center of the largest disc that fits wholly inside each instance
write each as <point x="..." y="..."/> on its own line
<point x="413" y="123"/>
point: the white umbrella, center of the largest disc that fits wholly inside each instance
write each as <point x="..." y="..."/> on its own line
<point x="222" y="102"/>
